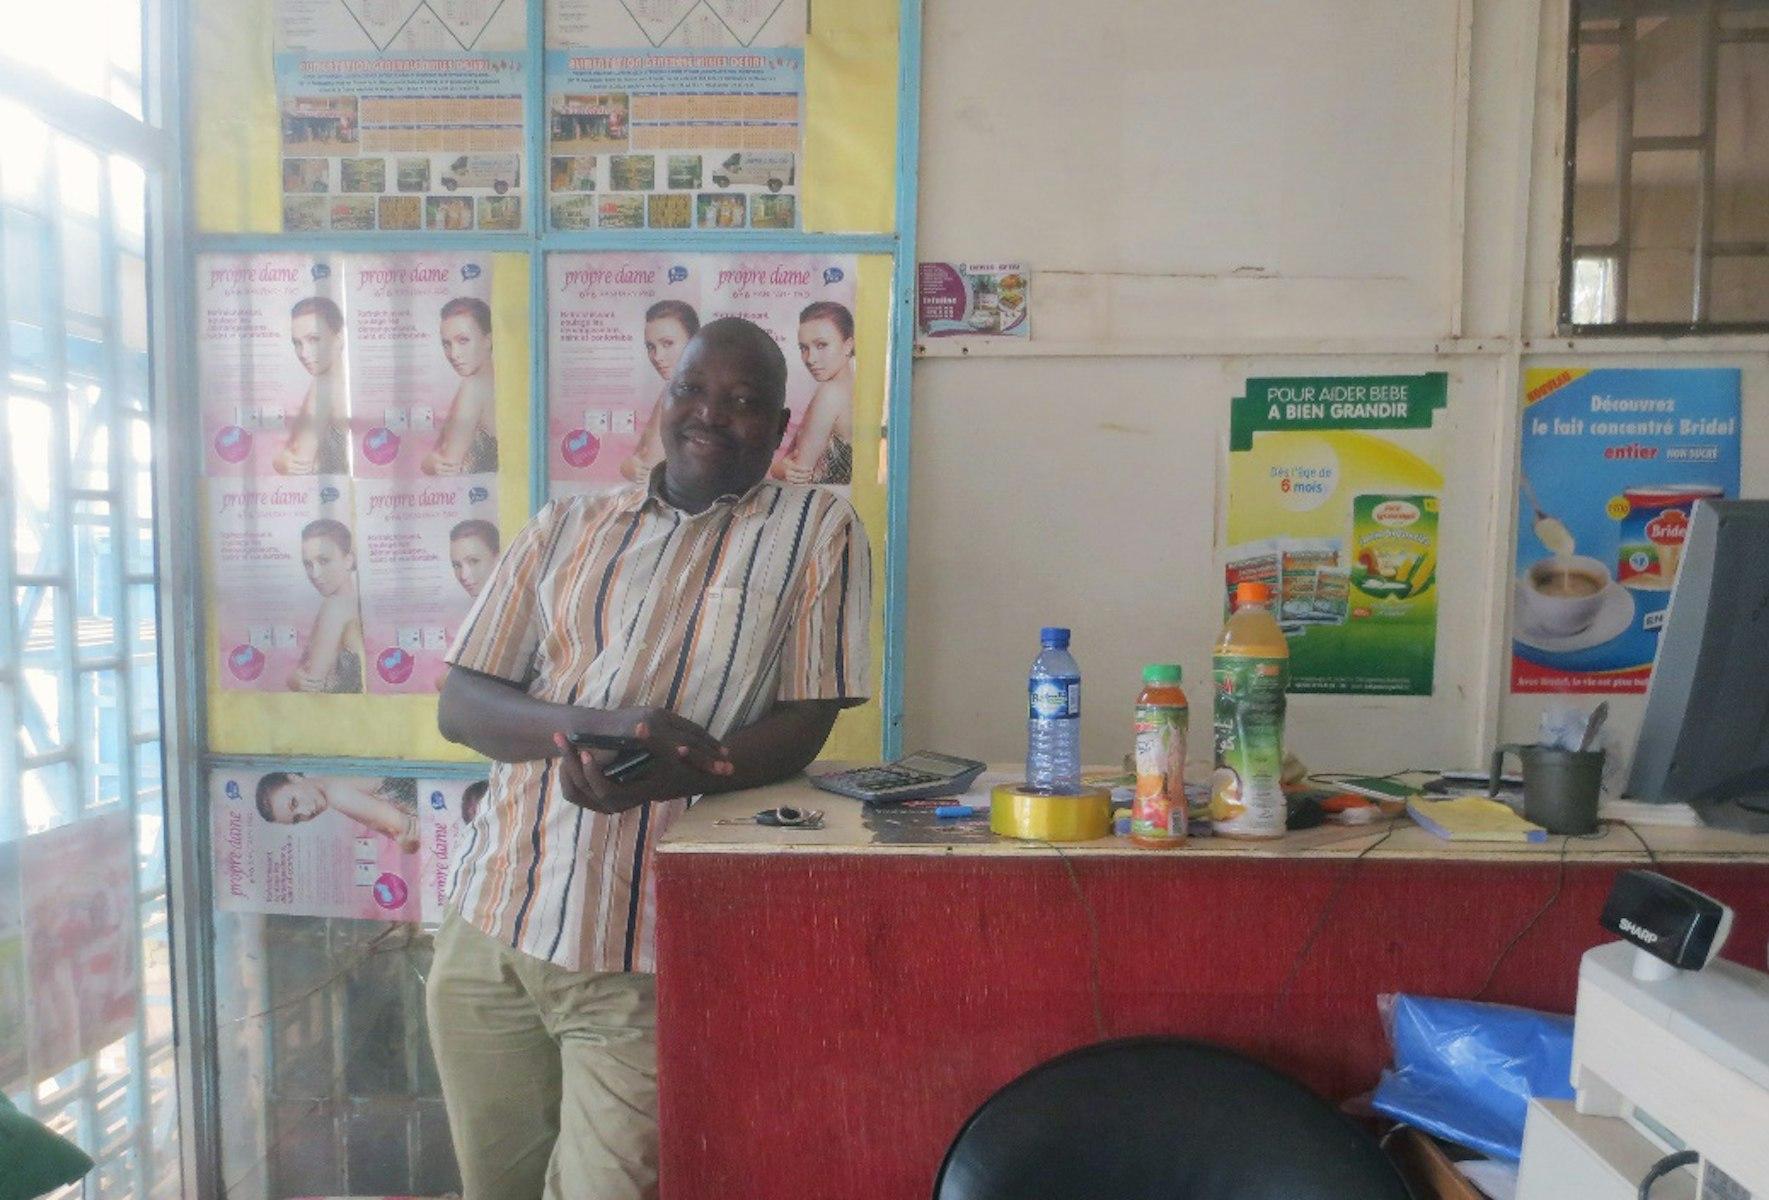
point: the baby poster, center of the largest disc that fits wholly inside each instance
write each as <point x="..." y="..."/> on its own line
<point x="619" y="323"/>
<point x="1613" y="463"/>
<point x="369" y="847"/>
<point x="283" y="569"/>
<point x="1335" y="486"/>
<point x="271" y="366"/>
<point x="420" y="347"/>
<point x="81" y="930"/>
<point x="425" y="550"/>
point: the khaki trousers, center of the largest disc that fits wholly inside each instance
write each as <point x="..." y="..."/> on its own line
<point x="550" y="1075"/>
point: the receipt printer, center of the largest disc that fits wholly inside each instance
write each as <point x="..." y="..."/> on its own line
<point x="1670" y="1053"/>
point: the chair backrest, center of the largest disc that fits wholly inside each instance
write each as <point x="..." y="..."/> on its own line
<point x="1161" y="1119"/>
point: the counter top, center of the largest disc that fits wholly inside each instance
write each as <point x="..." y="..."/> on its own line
<point x="849" y="828"/>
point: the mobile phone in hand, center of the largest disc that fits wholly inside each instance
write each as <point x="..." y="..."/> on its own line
<point x="631" y="757"/>
<point x="604" y="741"/>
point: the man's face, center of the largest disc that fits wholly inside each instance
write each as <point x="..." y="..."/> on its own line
<point x="315" y="343"/>
<point x="296" y="801"/>
<point x="721" y="424"/>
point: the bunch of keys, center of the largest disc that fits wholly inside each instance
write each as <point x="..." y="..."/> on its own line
<point x="784" y="817"/>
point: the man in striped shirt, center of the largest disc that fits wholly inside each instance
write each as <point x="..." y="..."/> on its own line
<point x="718" y="619"/>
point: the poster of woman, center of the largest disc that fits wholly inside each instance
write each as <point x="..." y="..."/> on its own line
<point x="283" y="566"/>
<point x="370" y="847"/>
<point x="619" y="323"/>
<point x="271" y="364"/>
<point x="821" y="448"/>
<point x="426" y="549"/>
<point x="420" y="341"/>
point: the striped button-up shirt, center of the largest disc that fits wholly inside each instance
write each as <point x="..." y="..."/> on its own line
<point x="620" y="600"/>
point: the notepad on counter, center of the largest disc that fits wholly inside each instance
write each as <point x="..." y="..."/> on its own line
<point x="1473" y="819"/>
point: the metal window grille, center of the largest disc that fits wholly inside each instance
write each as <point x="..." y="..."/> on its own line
<point x="1666" y="167"/>
<point x="78" y="652"/>
<point x="79" y="648"/>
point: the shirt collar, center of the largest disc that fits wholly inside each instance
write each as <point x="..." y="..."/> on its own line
<point x="652" y="494"/>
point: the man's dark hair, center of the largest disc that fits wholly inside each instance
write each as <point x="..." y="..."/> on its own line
<point x="755" y="344"/>
<point x="267" y="788"/>
<point x="833" y="312"/>
<point x="322" y="307"/>
<point x="679" y="311"/>
<point x="468" y="306"/>
<point x="485" y="531"/>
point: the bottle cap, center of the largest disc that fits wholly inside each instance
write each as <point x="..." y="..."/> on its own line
<point x="1161" y="673"/>
<point x="1252" y="593"/>
<point x="1054" y="635"/>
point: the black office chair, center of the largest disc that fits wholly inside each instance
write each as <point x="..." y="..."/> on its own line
<point x="1161" y="1119"/>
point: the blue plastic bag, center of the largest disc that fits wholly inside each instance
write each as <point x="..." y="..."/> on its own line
<point x="1465" y="1071"/>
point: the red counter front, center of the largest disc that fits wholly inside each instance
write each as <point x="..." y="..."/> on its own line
<point x="833" y="1005"/>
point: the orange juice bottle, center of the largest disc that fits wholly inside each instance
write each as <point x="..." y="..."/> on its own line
<point x="1158" y="815"/>
<point x="1251" y="669"/>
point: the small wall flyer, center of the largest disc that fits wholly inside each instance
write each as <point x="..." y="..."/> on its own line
<point x="973" y="299"/>
<point x="1335" y="502"/>
<point x="1613" y="463"/>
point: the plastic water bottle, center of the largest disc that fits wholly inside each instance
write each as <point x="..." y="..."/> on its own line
<point x="1053" y="730"/>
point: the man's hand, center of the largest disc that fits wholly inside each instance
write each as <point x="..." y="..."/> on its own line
<point x="584" y="784"/>
<point x="671" y="738"/>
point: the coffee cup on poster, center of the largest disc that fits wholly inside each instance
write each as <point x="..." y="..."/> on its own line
<point x="1563" y="593"/>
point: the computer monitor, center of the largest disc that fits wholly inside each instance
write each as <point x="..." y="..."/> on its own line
<point x="1704" y="739"/>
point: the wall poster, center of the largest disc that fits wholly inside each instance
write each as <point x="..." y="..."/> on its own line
<point x="338" y="845"/>
<point x="1335" y="501"/>
<point x="1613" y="462"/>
<point x="81" y="925"/>
<point x="617" y="323"/>
<point x="350" y="440"/>
<point x="14" y="982"/>
<point x="654" y="139"/>
<point x="976" y="299"/>
<point x="675" y="114"/>
<point x="401" y="114"/>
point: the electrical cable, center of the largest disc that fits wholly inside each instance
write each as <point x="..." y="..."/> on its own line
<point x="1651" y="857"/>
<point x="1320" y="924"/>
<point x="1663" y="1167"/>
<point x="369" y="950"/>
<point x="1553" y="899"/>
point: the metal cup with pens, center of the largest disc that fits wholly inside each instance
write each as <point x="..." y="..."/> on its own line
<point x="1560" y="787"/>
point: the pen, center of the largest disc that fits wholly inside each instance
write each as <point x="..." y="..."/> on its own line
<point x="947" y="811"/>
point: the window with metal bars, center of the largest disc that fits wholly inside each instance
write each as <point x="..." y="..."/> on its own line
<point x="1667" y="169"/>
<point x="86" y="1040"/>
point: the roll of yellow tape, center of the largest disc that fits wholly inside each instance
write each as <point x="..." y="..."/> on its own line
<point x="1019" y="813"/>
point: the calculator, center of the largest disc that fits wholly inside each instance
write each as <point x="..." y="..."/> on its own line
<point x="920" y="776"/>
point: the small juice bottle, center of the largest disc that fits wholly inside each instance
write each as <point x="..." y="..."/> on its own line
<point x="1252" y="669"/>
<point x="1158" y="814"/>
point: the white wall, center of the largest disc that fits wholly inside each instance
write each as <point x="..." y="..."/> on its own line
<point x="1207" y="192"/>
